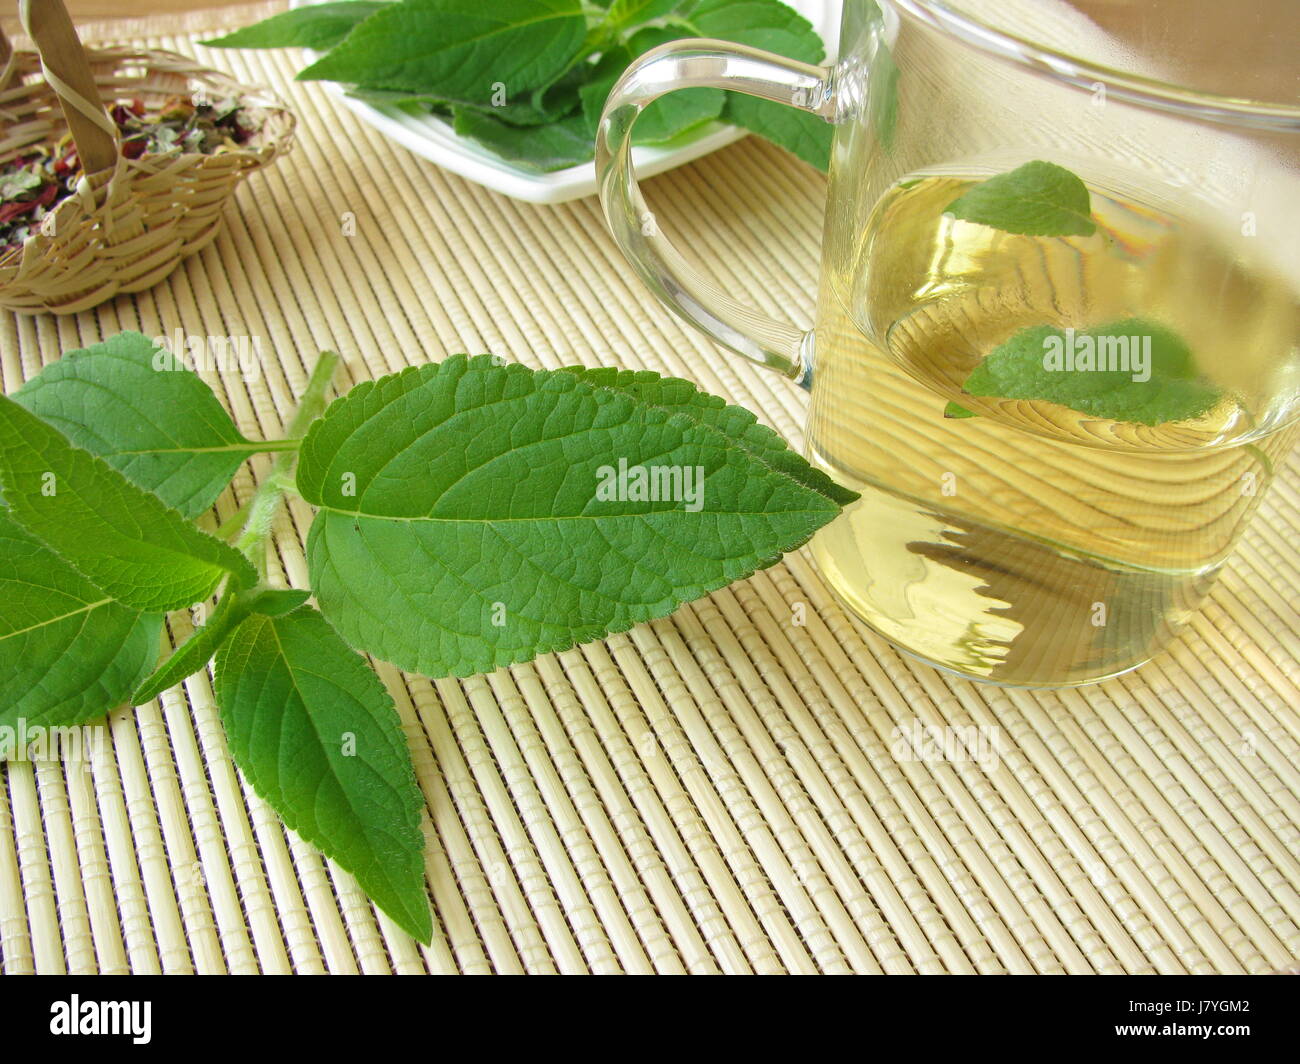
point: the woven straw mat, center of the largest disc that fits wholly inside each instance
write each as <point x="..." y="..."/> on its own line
<point x="710" y="792"/>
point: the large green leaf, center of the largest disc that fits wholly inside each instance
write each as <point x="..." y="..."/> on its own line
<point x="318" y="26"/>
<point x="317" y="736"/>
<point x="68" y="652"/>
<point x="144" y="413"/>
<point x="123" y="539"/>
<point x="459" y="49"/>
<point x="737" y="423"/>
<point x="467" y="519"/>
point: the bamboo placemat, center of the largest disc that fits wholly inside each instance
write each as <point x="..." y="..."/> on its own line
<point x="716" y="791"/>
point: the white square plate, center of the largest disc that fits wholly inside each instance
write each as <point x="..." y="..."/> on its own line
<point x="432" y="138"/>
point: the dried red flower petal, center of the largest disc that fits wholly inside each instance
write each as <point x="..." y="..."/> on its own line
<point x="16" y="209"/>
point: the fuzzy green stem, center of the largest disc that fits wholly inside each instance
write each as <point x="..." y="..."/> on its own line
<point x="261" y="509"/>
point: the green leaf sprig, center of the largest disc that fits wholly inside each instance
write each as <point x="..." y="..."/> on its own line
<point x="527" y="79"/>
<point x="471" y="514"/>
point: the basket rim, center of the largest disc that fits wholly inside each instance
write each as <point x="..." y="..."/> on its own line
<point x="25" y="61"/>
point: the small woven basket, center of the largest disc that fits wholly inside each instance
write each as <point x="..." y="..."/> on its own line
<point x="129" y="222"/>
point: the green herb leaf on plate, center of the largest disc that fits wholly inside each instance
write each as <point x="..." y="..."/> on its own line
<point x="512" y="112"/>
<point x="146" y="415"/>
<point x="319" y="27"/>
<point x="774" y="27"/>
<point x="316" y="734"/>
<point x="414" y="102"/>
<point x="667" y="117"/>
<point x="68" y="652"/>
<point x="595" y="92"/>
<point x="541" y="148"/>
<point x="123" y="539"/>
<point x="459" y="49"/>
<point x="625" y="13"/>
<point x="559" y="98"/>
<point x="766" y="24"/>
<point x="482" y="504"/>
<point x="1037" y="199"/>
<point x="550" y="59"/>
<point x="803" y="135"/>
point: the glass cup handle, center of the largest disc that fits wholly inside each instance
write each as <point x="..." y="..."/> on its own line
<point x="687" y="64"/>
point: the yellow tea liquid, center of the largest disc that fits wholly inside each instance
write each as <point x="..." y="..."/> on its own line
<point x="1033" y="544"/>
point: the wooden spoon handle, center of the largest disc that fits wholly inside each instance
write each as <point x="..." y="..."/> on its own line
<point x="67" y="72"/>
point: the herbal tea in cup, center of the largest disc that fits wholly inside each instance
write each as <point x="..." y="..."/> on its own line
<point x="1056" y="347"/>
